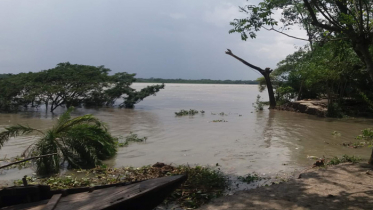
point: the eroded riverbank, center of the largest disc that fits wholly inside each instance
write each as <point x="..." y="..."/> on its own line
<point x="267" y="142"/>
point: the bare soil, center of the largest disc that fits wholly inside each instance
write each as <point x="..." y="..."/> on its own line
<point x="345" y="186"/>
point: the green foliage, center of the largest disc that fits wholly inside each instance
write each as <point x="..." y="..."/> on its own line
<point x="81" y="142"/>
<point x="186" y="112"/>
<point x="367" y="134"/>
<point x="133" y="97"/>
<point x="250" y="178"/>
<point x="70" y="85"/>
<point x="131" y="138"/>
<point x="202" y="184"/>
<point x="336" y="69"/>
<point x="258" y="105"/>
<point x="334" y="110"/>
<point x="219" y="121"/>
<point x="343" y="159"/>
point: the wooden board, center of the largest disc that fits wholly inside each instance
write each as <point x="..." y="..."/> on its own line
<point x="141" y="195"/>
<point x="105" y="198"/>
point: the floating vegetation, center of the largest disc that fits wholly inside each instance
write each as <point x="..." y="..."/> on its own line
<point x="250" y="178"/>
<point x="202" y="112"/>
<point x="222" y="114"/>
<point x="366" y="134"/>
<point x="131" y="138"/>
<point x="343" y="159"/>
<point x="219" y="121"/>
<point x="336" y="133"/>
<point x="213" y="113"/>
<point x="258" y="105"/>
<point x="202" y="185"/>
<point x="186" y="112"/>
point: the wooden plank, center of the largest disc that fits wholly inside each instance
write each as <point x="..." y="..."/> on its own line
<point x="104" y="198"/>
<point x="52" y="202"/>
<point x="39" y="205"/>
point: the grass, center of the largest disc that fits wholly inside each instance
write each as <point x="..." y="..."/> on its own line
<point x="343" y="159"/>
<point x="202" y="185"/>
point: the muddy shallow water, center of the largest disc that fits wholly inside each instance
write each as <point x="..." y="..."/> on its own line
<point x="265" y="142"/>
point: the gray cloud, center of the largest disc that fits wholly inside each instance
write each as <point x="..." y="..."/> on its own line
<point x="168" y="39"/>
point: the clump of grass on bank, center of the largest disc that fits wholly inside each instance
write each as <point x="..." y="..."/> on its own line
<point x="186" y="112"/>
<point x="202" y="185"/>
<point x="131" y="138"/>
<point x="250" y="178"/>
<point x="343" y="159"/>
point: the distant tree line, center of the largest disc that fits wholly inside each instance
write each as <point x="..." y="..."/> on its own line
<point x="70" y="85"/>
<point x="199" y="81"/>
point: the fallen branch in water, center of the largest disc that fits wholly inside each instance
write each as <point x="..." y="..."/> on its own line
<point x="27" y="159"/>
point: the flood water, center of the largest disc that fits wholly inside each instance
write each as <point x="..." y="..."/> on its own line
<point x="264" y="142"/>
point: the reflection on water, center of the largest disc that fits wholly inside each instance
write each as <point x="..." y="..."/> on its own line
<point x="267" y="141"/>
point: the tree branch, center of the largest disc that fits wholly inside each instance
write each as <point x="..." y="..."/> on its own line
<point x="229" y="52"/>
<point x="272" y="29"/>
<point x="27" y="159"/>
<point x="315" y="21"/>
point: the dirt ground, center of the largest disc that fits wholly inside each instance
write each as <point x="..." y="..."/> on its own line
<point x="345" y="186"/>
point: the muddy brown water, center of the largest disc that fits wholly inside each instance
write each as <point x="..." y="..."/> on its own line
<point x="270" y="141"/>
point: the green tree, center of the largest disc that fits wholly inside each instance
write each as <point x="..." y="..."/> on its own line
<point x="332" y="19"/>
<point x="70" y="85"/>
<point x="81" y="142"/>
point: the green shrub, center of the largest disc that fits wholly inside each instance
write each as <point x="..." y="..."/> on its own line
<point x="343" y="159"/>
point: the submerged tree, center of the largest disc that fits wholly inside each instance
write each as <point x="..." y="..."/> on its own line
<point x="81" y="142"/>
<point x="266" y="74"/>
<point x="70" y="85"/>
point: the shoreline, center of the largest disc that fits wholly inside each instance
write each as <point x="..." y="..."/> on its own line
<point x="343" y="186"/>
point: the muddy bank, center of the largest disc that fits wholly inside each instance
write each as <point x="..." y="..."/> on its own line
<point x="312" y="107"/>
<point x="345" y="186"/>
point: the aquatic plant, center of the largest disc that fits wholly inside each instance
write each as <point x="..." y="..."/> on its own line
<point x="131" y="138"/>
<point x="202" y="112"/>
<point x="366" y="134"/>
<point x="249" y="178"/>
<point x="343" y="159"/>
<point x="258" y="105"/>
<point x="186" y="112"/>
<point x="202" y="184"/>
<point x="219" y="121"/>
<point x="81" y="142"/>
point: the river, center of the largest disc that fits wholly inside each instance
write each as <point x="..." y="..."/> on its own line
<point x="269" y="141"/>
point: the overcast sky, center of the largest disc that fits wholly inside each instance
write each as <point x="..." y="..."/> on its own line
<point x="154" y="38"/>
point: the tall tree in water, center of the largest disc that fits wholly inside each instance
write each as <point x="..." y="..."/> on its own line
<point x="265" y="72"/>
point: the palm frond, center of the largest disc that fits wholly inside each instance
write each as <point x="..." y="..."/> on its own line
<point x="14" y="131"/>
<point x="89" y="144"/>
<point x="86" y="119"/>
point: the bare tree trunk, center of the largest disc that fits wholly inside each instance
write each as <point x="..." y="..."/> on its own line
<point x="272" y="100"/>
<point x="300" y="91"/>
<point x="371" y="159"/>
<point x="266" y="74"/>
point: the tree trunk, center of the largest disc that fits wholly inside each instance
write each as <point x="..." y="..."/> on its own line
<point x="265" y="72"/>
<point x="300" y="91"/>
<point x="271" y="94"/>
<point x="371" y="159"/>
<point x="362" y="50"/>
